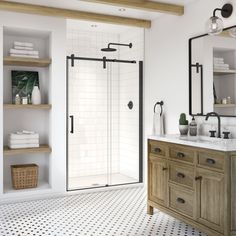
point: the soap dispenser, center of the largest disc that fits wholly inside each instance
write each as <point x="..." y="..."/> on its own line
<point x="193" y="127"/>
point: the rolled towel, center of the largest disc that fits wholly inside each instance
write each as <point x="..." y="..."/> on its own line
<point x="18" y="146"/>
<point x="26" y="56"/>
<point x="23" y="52"/>
<point x="24" y="44"/>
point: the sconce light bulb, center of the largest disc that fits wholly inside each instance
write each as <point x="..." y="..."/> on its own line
<point x="214" y="25"/>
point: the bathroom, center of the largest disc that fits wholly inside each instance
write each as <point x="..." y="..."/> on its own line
<point x="98" y="154"/>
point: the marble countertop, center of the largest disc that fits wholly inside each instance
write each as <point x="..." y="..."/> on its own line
<point x="226" y="145"/>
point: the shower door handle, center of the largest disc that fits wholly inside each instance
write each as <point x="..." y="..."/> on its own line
<point x="71" y="124"/>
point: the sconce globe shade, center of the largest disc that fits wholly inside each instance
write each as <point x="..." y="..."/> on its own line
<point x="232" y="32"/>
<point x="214" y="25"/>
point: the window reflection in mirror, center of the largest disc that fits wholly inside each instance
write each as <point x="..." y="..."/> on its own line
<point x="213" y="73"/>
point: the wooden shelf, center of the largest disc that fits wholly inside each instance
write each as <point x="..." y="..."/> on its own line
<point x="42" y="186"/>
<point x="42" y="149"/>
<point x="24" y="61"/>
<point x="224" y="105"/>
<point x="28" y="106"/>
<point x="224" y="72"/>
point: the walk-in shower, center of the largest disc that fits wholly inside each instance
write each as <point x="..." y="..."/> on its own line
<point x="104" y="110"/>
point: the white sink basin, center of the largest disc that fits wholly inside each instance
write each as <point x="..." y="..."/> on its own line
<point x="200" y="141"/>
<point x="203" y="139"/>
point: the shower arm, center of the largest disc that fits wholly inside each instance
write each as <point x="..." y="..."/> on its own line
<point x="121" y="44"/>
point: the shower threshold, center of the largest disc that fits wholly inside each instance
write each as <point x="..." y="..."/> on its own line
<point x="94" y="181"/>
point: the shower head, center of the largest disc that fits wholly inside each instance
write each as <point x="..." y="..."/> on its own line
<point x="109" y="49"/>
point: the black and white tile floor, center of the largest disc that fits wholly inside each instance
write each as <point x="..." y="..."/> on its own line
<point x="115" y="212"/>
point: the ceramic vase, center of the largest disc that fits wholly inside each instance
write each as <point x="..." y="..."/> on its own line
<point x="183" y="129"/>
<point x="36" y="96"/>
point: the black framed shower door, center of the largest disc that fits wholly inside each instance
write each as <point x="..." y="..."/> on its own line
<point x="80" y="157"/>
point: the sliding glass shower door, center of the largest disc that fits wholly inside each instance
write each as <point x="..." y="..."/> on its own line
<point x="103" y="123"/>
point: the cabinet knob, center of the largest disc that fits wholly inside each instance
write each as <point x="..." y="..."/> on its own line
<point x="164" y="168"/>
<point x="210" y="161"/>
<point x="157" y="150"/>
<point x="180" y="155"/>
<point x="198" y="178"/>
<point x="180" y="200"/>
<point x="180" y="175"/>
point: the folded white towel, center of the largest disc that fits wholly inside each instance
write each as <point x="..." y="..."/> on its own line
<point x="18" y="146"/>
<point x="23" y="52"/>
<point x="23" y="48"/>
<point x="158" y="124"/>
<point x="26" y="56"/>
<point x="219" y="62"/>
<point x="14" y="136"/>
<point x="24" y="44"/>
<point x="23" y="141"/>
<point x="221" y="65"/>
<point x="218" y="58"/>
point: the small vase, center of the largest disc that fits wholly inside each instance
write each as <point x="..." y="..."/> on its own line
<point x="36" y="96"/>
<point x="183" y="129"/>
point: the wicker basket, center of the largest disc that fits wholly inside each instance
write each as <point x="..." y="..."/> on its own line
<point x="24" y="176"/>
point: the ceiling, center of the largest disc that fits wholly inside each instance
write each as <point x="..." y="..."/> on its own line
<point x="102" y="8"/>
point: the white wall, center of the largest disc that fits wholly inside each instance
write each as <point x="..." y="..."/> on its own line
<point x="166" y="60"/>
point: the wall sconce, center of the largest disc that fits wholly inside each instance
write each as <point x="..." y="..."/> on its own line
<point x="215" y="24"/>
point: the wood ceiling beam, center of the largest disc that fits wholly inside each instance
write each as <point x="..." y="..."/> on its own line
<point x="144" y="5"/>
<point x="72" y="14"/>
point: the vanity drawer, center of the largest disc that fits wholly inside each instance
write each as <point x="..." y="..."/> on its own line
<point x="181" y="200"/>
<point x="157" y="148"/>
<point x="181" y="154"/>
<point x="212" y="160"/>
<point x="181" y="175"/>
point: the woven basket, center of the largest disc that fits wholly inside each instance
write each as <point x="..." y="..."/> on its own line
<point x="24" y="176"/>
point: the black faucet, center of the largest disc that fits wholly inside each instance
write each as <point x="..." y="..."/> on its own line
<point x="216" y="115"/>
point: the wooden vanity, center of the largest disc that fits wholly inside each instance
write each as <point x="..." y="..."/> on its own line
<point x="193" y="184"/>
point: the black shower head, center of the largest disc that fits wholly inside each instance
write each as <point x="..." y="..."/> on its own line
<point x="108" y="49"/>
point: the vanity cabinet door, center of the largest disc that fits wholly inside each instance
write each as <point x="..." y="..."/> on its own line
<point x="210" y="199"/>
<point x="157" y="180"/>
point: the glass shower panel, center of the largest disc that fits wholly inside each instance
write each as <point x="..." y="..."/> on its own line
<point x="125" y="124"/>
<point x="88" y="125"/>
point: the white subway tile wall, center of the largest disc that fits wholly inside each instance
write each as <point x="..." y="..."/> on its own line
<point x="104" y="128"/>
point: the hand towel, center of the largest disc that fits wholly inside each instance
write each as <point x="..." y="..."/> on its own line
<point x="23" y="52"/>
<point x="28" y="56"/>
<point x="158" y="124"/>
<point x="18" y="146"/>
<point x="23" y="141"/>
<point x="24" y="44"/>
<point x="14" y="136"/>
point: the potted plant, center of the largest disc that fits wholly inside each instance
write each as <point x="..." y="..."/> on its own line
<point x="183" y="124"/>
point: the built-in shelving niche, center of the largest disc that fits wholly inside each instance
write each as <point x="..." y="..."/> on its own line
<point x="27" y="117"/>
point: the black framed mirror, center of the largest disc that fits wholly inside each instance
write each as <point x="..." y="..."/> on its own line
<point x="212" y="73"/>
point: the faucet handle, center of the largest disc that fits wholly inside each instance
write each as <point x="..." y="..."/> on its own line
<point x="212" y="133"/>
<point x="226" y="134"/>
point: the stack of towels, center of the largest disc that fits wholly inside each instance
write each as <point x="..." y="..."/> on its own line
<point x="219" y="64"/>
<point x="23" y="49"/>
<point x="23" y="139"/>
